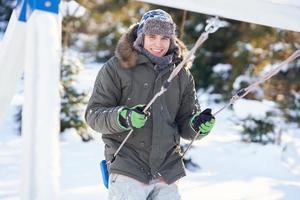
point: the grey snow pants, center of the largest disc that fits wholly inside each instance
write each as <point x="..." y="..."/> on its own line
<point x="125" y="188"/>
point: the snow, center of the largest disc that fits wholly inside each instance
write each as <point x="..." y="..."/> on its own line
<point x="259" y="111"/>
<point x="278" y="46"/>
<point x="1" y="37"/>
<point x="72" y="8"/>
<point x="241" y="79"/>
<point x="199" y="27"/>
<point x="229" y="168"/>
<point x="83" y="39"/>
<point x="222" y="70"/>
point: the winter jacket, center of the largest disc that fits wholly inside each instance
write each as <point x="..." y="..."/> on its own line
<point x="129" y="79"/>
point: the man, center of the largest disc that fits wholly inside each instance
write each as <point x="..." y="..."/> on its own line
<point x="150" y="163"/>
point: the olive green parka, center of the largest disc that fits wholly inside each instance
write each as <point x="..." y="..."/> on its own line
<point x="129" y="79"/>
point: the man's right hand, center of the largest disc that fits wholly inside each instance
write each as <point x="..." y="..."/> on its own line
<point x="133" y="117"/>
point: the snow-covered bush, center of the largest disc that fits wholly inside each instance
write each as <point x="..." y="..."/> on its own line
<point x="292" y="113"/>
<point x="260" y="121"/>
<point x="258" y="130"/>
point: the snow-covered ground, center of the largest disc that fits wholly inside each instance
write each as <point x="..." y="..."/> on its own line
<point x="229" y="169"/>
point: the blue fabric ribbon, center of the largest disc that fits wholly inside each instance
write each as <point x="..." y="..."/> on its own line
<point x="26" y="7"/>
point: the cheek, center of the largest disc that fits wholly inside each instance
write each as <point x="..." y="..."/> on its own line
<point x="147" y="44"/>
<point x="166" y="45"/>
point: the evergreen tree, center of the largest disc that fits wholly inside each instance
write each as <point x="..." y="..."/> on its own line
<point x="6" y="8"/>
<point x="259" y="130"/>
<point x="284" y="88"/>
<point x="72" y="101"/>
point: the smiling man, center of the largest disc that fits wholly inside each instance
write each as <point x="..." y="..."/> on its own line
<point x="157" y="45"/>
<point x="149" y="164"/>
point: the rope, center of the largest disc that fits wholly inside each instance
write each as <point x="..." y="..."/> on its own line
<point x="243" y="92"/>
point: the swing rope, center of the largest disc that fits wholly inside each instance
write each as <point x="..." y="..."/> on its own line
<point x="244" y="91"/>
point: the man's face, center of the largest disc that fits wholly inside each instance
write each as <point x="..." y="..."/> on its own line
<point x="157" y="45"/>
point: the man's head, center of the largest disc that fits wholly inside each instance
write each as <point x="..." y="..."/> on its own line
<point x="156" y="32"/>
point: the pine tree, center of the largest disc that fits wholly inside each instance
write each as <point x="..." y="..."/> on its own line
<point x="284" y="88"/>
<point x="6" y="8"/>
<point x="261" y="130"/>
<point x="72" y="101"/>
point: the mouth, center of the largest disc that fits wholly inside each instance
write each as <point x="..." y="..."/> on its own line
<point x="157" y="52"/>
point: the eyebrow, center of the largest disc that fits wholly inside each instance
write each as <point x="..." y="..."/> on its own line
<point x="154" y="35"/>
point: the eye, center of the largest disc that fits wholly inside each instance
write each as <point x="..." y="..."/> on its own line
<point x="165" y="38"/>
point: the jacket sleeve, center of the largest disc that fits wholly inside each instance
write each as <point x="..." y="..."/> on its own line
<point x="102" y="111"/>
<point x="188" y="107"/>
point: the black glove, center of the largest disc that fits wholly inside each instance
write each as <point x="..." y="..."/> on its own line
<point x="203" y="122"/>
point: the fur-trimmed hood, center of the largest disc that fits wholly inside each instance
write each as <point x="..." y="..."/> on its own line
<point x="128" y="56"/>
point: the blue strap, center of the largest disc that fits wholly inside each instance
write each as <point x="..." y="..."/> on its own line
<point x="104" y="172"/>
<point x="28" y="6"/>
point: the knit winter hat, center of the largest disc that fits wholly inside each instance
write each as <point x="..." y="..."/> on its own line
<point x="156" y="22"/>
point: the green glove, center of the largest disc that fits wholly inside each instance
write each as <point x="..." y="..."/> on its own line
<point x="203" y="122"/>
<point x="133" y="117"/>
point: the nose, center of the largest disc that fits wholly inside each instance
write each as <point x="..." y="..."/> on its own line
<point x="157" y="42"/>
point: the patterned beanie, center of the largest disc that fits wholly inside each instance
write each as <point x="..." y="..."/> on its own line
<point x="156" y="22"/>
